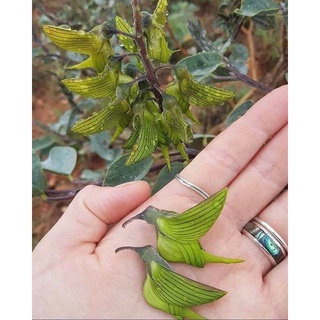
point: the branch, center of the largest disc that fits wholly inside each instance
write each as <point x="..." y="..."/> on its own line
<point x="246" y="79"/>
<point x="141" y="44"/>
<point x="69" y="194"/>
<point x="199" y="35"/>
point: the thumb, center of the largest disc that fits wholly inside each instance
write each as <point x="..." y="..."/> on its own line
<point x="86" y="220"/>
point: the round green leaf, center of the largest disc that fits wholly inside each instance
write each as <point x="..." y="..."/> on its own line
<point x="43" y="142"/>
<point x="201" y="65"/>
<point x="61" y="160"/>
<point x="180" y="13"/>
<point x="65" y="122"/>
<point x="118" y="172"/>
<point x="39" y="181"/>
<point x="100" y="143"/>
<point x="239" y="112"/>
<point x="239" y="57"/>
<point x="92" y="175"/>
<point x="165" y="176"/>
<point x="250" y="8"/>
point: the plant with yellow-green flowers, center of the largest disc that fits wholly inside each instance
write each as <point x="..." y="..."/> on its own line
<point x="156" y="116"/>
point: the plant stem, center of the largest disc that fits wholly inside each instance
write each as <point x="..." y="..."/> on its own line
<point x="141" y="44"/>
<point x="246" y="79"/>
<point x="69" y="194"/>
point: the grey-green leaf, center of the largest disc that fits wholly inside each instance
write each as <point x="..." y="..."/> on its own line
<point x="92" y="175"/>
<point x="100" y="143"/>
<point x="43" y="142"/>
<point x="165" y="176"/>
<point x="239" y="112"/>
<point x="201" y="65"/>
<point x="239" y="57"/>
<point x="65" y="122"/>
<point x="39" y="181"/>
<point x="250" y="8"/>
<point x="118" y="172"/>
<point x="61" y="160"/>
<point x="180" y="13"/>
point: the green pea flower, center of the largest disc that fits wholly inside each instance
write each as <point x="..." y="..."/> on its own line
<point x="92" y="43"/>
<point x="169" y="291"/>
<point x="144" y="138"/>
<point x="179" y="234"/>
<point x="199" y="94"/>
<point x="173" y="89"/>
<point x="126" y="41"/>
<point x="107" y="118"/>
<point x="100" y="86"/>
<point x="177" y="129"/>
<point x="152" y="25"/>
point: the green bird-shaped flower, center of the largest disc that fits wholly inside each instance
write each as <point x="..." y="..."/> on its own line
<point x="108" y="118"/>
<point x="174" y="90"/>
<point x="117" y="114"/>
<point x="179" y="234"/>
<point x="177" y="129"/>
<point x="144" y="138"/>
<point x="197" y="93"/>
<point x="126" y="41"/>
<point x="92" y="43"/>
<point x="152" y="25"/>
<point x="173" y="128"/>
<point x="169" y="291"/>
<point x="100" y="86"/>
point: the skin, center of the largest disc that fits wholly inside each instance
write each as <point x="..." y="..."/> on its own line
<point x="77" y="274"/>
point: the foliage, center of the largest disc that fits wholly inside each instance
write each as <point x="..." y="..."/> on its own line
<point x="135" y="80"/>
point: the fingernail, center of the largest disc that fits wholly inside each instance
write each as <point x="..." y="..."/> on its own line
<point x="130" y="183"/>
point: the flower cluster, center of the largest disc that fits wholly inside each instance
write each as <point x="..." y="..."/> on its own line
<point x="135" y="99"/>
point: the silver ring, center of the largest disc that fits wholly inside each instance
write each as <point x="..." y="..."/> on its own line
<point x="192" y="186"/>
<point x="267" y="239"/>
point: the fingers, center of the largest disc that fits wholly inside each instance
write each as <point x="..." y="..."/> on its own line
<point x="87" y="218"/>
<point x="260" y="182"/>
<point x="276" y="285"/>
<point x="231" y="151"/>
<point x="277" y="215"/>
<point x="250" y="193"/>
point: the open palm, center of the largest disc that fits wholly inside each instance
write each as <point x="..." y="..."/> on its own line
<point x="77" y="274"/>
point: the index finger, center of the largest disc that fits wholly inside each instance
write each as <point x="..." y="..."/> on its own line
<point x="229" y="153"/>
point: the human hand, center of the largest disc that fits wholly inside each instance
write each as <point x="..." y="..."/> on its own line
<point x="77" y="274"/>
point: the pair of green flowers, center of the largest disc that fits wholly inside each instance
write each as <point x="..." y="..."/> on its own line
<point x="178" y="238"/>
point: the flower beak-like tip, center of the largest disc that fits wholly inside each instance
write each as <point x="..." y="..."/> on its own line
<point x="146" y="253"/>
<point x="107" y="30"/>
<point x="146" y="19"/>
<point x="125" y="248"/>
<point x="150" y="214"/>
<point x="139" y="216"/>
